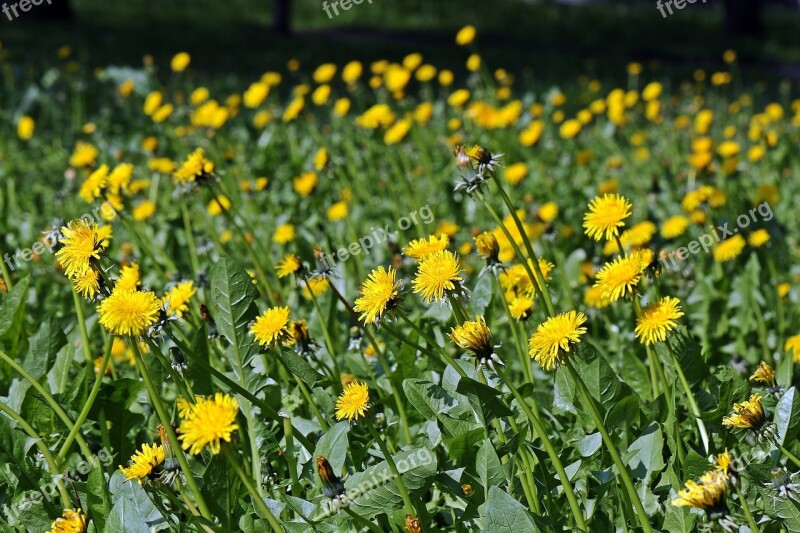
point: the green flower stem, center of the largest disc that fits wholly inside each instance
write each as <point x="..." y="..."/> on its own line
<point x="779" y="304"/>
<point x="291" y="456"/>
<point x="432" y="342"/>
<point x="87" y="454"/>
<point x="612" y="449"/>
<point x="689" y="396"/>
<point x="266" y="409"/>
<point x="6" y="275"/>
<point x="746" y="508"/>
<point x="409" y="507"/>
<point x="762" y="332"/>
<point x="183" y="386"/>
<point x="248" y="483"/>
<point x="87" y="349"/>
<point x="534" y="280"/>
<point x="187" y="226"/>
<point x="789" y="455"/>
<point x="528" y="461"/>
<point x="524" y="359"/>
<point x="52" y="463"/>
<point x="653" y="362"/>
<point x="398" y="398"/>
<point x="531" y="254"/>
<point x="87" y="406"/>
<point x="361" y="520"/>
<point x="328" y="341"/>
<point x="305" y="392"/>
<point x="155" y="397"/>
<point x="536" y="423"/>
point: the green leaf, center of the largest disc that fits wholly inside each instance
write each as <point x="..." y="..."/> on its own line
<point x="786" y="416"/>
<point x="435" y="403"/>
<point x="43" y="348"/>
<point x="645" y="454"/>
<point x="374" y="491"/>
<point x="12" y="310"/>
<point x="333" y="446"/>
<point x="481" y="294"/>
<point x="233" y="299"/>
<point x="503" y="514"/>
<point x="97" y="497"/>
<point x="133" y="512"/>
<point x="488" y="466"/>
<point x="299" y="367"/>
<point x="484" y="400"/>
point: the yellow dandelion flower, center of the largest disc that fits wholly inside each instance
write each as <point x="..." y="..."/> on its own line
<point x="144" y="211"/>
<point x="71" y="521"/>
<point x="792" y="346"/>
<point x="180" y="61"/>
<point x="709" y="494"/>
<point x="178" y="298"/>
<point x="379" y="294"/>
<point x="420" y="248"/>
<point x="92" y="188"/>
<point x="764" y="374"/>
<point x="128" y="278"/>
<point x="657" y="320"/>
<point x="554" y="337"/>
<point x="195" y="166"/>
<point x="218" y="205"/>
<point x="474" y="336"/>
<point x="315" y="286"/>
<point x="88" y="283"/>
<point x="83" y="155"/>
<point x="606" y="215"/>
<point x="620" y="278"/>
<point x="353" y="403"/>
<point x="271" y="328"/>
<point x="783" y="289"/>
<point x="210" y="421"/>
<point x="674" y="226"/>
<point x="129" y="312"/>
<point x="729" y="249"/>
<point x="305" y="183"/>
<point x="25" y="127"/>
<point x="120" y="177"/>
<point x="758" y="238"/>
<point x="144" y="462"/>
<point x="747" y="415"/>
<point x="465" y="35"/>
<point x="487" y="246"/>
<point x="593" y="297"/>
<point x="289" y="265"/>
<point x="283" y="234"/>
<point x="81" y="243"/>
<point x="438" y="274"/>
<point x="337" y="211"/>
<point x="515" y="173"/>
<point x="521" y="307"/>
<point x="547" y="212"/>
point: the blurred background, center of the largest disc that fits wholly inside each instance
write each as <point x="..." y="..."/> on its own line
<point x="546" y="41"/>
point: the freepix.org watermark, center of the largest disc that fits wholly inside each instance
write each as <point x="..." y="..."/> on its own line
<point x="23" y="5"/>
<point x="716" y="234"/>
<point x="679" y="4"/>
<point x="49" y="491"/>
<point x="377" y="236"/>
<point x="50" y="239"/>
<point x="332" y="9"/>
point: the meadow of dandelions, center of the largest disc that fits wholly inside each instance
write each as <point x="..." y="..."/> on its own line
<point x="531" y="358"/>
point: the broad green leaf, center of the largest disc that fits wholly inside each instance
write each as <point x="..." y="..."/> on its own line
<point x="434" y="402"/>
<point x="645" y="454"/>
<point x="233" y="299"/>
<point x="374" y="491"/>
<point x="43" y="346"/>
<point x="503" y="514"/>
<point x="488" y="466"/>
<point x="132" y="512"/>
<point x="484" y="400"/>
<point x="97" y="497"/>
<point x="12" y="310"/>
<point x="333" y="445"/>
<point x="787" y="416"/>
<point x="481" y="294"/>
<point x="298" y="366"/>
